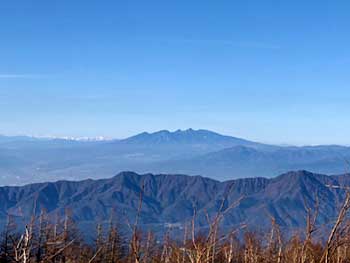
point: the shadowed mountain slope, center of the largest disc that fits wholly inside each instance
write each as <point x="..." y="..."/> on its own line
<point x="171" y="198"/>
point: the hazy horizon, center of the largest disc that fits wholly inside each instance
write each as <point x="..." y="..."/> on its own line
<point x="110" y="138"/>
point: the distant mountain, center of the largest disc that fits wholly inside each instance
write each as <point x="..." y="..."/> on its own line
<point x="35" y="160"/>
<point x="11" y="139"/>
<point x="188" y="137"/>
<point x="169" y="199"/>
<point x="26" y="160"/>
<point x="166" y="145"/>
<point x="243" y="161"/>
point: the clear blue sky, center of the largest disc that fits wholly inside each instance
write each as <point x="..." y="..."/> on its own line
<point x="272" y="71"/>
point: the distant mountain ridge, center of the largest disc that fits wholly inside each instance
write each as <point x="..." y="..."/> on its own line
<point x="188" y="136"/>
<point x="243" y="161"/>
<point x="25" y="160"/>
<point x="169" y="199"/>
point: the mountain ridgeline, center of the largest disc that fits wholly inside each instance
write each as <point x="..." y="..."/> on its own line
<point x="170" y="199"/>
<point x="26" y="160"/>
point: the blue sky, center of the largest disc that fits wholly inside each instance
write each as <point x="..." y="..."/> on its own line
<point x="272" y="71"/>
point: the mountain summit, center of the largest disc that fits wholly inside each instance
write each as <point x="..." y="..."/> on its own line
<point x="189" y="136"/>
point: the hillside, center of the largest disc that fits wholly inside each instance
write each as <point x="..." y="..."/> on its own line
<point x="171" y="198"/>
